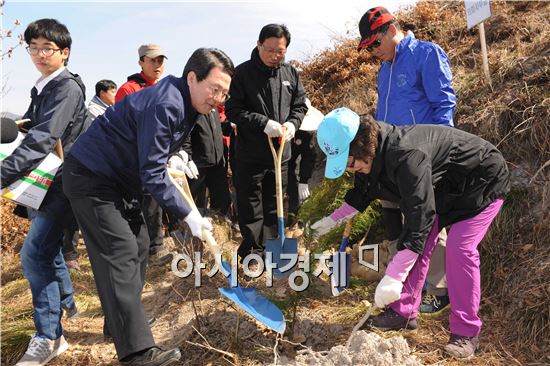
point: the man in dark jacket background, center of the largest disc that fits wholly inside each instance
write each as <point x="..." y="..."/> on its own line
<point x="266" y="96"/>
<point x="204" y="146"/>
<point x="304" y="147"/>
<point x="57" y="112"/>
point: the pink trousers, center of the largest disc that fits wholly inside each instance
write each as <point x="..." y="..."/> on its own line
<point x="462" y="260"/>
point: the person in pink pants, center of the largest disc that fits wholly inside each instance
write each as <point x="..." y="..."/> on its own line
<point x="441" y="177"/>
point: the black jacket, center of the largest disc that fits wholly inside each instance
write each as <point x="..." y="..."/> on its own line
<point x="58" y="112"/>
<point x="258" y="94"/>
<point x="204" y="144"/>
<point x="304" y="145"/>
<point x="431" y="170"/>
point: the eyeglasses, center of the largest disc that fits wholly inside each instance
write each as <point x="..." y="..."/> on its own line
<point x="218" y="94"/>
<point x="279" y="52"/>
<point x="33" y="51"/>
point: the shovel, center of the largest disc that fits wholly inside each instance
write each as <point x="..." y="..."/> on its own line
<point x="247" y="299"/>
<point x="341" y="272"/>
<point x="280" y="251"/>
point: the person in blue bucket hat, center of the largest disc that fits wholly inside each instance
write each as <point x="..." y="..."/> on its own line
<point x="440" y="177"/>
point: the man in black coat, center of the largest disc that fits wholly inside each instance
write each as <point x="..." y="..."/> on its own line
<point x="204" y="147"/>
<point x="266" y="96"/>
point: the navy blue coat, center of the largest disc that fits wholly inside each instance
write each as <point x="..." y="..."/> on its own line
<point x="132" y="141"/>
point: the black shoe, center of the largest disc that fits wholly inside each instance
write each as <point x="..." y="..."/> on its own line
<point x="389" y="320"/>
<point x="154" y="356"/>
<point x="160" y="257"/>
<point x="432" y="304"/>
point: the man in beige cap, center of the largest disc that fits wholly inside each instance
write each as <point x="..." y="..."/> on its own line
<point x="151" y="60"/>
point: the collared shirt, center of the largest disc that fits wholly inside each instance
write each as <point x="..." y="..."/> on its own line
<point x="42" y="82"/>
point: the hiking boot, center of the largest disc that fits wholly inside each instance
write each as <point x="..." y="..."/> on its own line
<point x="72" y="313"/>
<point x="389" y="320"/>
<point x="41" y="350"/>
<point x="73" y="265"/>
<point x="154" y="356"/>
<point x="160" y="257"/>
<point x="462" y="346"/>
<point x="433" y="304"/>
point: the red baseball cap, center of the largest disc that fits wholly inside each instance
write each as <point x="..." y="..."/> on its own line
<point x="371" y="23"/>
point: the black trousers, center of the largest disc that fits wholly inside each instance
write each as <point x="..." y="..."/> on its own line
<point x="153" y="219"/>
<point x="70" y="242"/>
<point x="117" y="242"/>
<point x="215" y="179"/>
<point x="257" y="205"/>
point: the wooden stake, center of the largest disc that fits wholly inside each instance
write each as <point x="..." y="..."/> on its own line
<point x="484" y="52"/>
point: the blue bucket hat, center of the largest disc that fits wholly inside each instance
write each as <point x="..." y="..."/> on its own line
<point x="334" y="136"/>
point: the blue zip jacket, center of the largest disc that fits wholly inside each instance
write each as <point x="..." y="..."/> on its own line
<point x="416" y="86"/>
<point x="132" y="141"/>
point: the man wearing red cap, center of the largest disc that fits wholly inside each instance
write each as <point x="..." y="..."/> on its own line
<point x="414" y="87"/>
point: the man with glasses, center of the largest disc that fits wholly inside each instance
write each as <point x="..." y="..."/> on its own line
<point x="414" y="86"/>
<point x="123" y="153"/>
<point x="266" y="96"/>
<point x="57" y="113"/>
<point x="151" y="60"/>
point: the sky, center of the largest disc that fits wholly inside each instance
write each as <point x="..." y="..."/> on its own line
<point x="106" y="35"/>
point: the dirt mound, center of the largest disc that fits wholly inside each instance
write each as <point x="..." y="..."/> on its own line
<point x="365" y="349"/>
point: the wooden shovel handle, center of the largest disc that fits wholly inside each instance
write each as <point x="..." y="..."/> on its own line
<point x="277" y="159"/>
<point x="185" y="193"/>
<point x="347" y="229"/>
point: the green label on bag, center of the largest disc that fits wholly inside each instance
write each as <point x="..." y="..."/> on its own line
<point x="39" y="179"/>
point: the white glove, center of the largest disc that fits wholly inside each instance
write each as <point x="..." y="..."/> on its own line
<point x="273" y="129"/>
<point x="178" y="161"/>
<point x="388" y="291"/>
<point x="192" y="171"/>
<point x="197" y="223"/>
<point x="290" y="130"/>
<point x="323" y="226"/>
<point x="303" y="191"/>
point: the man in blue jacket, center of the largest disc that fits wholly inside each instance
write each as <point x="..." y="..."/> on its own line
<point x="122" y="154"/>
<point x="414" y="86"/>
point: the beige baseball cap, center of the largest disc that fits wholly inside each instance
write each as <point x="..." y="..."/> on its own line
<point x="151" y="50"/>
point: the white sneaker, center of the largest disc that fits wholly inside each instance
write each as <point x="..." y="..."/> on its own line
<point x="41" y="350"/>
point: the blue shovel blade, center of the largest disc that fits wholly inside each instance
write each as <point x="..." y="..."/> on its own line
<point x="279" y="246"/>
<point x="341" y="274"/>
<point x="276" y="248"/>
<point x="341" y="269"/>
<point x="255" y="304"/>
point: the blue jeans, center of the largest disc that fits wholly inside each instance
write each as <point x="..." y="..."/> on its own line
<point x="48" y="276"/>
